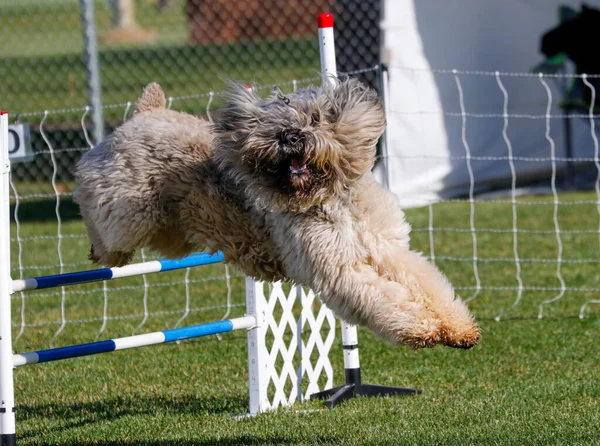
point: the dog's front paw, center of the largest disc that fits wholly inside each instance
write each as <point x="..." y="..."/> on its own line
<point x="464" y="339"/>
<point x="424" y="334"/>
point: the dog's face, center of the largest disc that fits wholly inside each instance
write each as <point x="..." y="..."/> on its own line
<point x="299" y="149"/>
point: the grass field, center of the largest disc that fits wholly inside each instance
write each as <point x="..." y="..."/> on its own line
<point x="530" y="381"/>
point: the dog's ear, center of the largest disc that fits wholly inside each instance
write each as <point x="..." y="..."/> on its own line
<point x="153" y="97"/>
<point x="357" y="115"/>
<point x="241" y="107"/>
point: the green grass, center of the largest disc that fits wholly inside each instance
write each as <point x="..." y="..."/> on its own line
<point x="529" y="381"/>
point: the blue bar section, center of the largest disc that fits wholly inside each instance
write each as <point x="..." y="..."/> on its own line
<point x="72" y="278"/>
<point x="195" y="331"/>
<point x="94" y="348"/>
<point x="75" y="351"/>
<point x="193" y="260"/>
<point x="106" y="273"/>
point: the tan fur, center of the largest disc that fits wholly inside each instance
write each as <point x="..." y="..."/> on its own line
<point x="168" y="181"/>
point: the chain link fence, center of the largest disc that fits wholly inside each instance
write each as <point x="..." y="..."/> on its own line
<point x="188" y="46"/>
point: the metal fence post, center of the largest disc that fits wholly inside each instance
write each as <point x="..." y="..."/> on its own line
<point x="92" y="68"/>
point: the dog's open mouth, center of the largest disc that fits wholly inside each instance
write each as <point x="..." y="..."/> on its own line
<point x="299" y="172"/>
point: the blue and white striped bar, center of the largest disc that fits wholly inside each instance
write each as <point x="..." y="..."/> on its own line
<point x="159" y="337"/>
<point x="36" y="283"/>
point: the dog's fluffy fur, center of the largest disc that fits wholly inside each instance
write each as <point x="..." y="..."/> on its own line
<point x="283" y="187"/>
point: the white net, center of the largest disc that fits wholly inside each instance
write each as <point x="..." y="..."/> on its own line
<point x="517" y="233"/>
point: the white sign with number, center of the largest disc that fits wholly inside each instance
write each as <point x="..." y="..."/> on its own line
<point x="19" y="143"/>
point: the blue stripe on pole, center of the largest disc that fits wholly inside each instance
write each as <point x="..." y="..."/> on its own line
<point x="73" y="351"/>
<point x="71" y="278"/>
<point x="193" y="260"/>
<point x="110" y="345"/>
<point x="107" y="273"/>
<point x="195" y="331"/>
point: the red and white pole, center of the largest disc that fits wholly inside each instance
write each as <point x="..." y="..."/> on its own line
<point x="329" y="74"/>
<point x="327" y="47"/>
<point x="353" y="385"/>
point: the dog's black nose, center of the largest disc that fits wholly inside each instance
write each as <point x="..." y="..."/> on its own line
<point x="291" y="142"/>
<point x="291" y="139"/>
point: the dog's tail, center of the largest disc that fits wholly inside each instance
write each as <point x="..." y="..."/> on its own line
<point x="152" y="97"/>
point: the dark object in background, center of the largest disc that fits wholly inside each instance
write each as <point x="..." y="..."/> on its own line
<point x="578" y="37"/>
<point x="356" y="26"/>
<point x="358" y="37"/>
<point x="228" y="21"/>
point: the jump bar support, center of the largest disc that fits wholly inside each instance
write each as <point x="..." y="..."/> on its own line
<point x="353" y="385"/>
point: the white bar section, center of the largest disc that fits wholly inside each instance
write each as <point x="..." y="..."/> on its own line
<point x="241" y="323"/>
<point x="24" y="284"/>
<point x="327" y="46"/>
<point x="136" y="269"/>
<point x="7" y="391"/>
<point x="258" y="378"/>
<point x="25" y="358"/>
<point x="350" y="338"/>
<point x="139" y="340"/>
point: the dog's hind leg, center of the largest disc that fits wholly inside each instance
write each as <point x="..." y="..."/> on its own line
<point x="119" y="227"/>
<point x="100" y="255"/>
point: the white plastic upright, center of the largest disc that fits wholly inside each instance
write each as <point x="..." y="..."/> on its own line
<point x="258" y="356"/>
<point x="327" y="47"/>
<point x="7" y="394"/>
<point x="329" y="74"/>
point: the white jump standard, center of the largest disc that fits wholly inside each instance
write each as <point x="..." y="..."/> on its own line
<point x="353" y="385"/>
<point x="8" y="435"/>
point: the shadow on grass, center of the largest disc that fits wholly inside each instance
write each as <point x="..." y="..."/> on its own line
<point x="242" y="440"/>
<point x="73" y="416"/>
<point x="107" y="410"/>
<point x="45" y="210"/>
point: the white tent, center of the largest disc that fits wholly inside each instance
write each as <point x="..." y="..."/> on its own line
<point x="430" y="133"/>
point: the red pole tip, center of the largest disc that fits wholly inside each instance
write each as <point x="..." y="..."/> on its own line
<point x="3" y="112"/>
<point x="325" y="20"/>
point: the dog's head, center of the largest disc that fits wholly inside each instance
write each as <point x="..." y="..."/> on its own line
<point x="299" y="149"/>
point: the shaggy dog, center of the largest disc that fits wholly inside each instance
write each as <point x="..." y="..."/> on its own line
<point x="283" y="187"/>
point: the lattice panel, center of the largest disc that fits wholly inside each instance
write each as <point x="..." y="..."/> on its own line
<point x="289" y="351"/>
